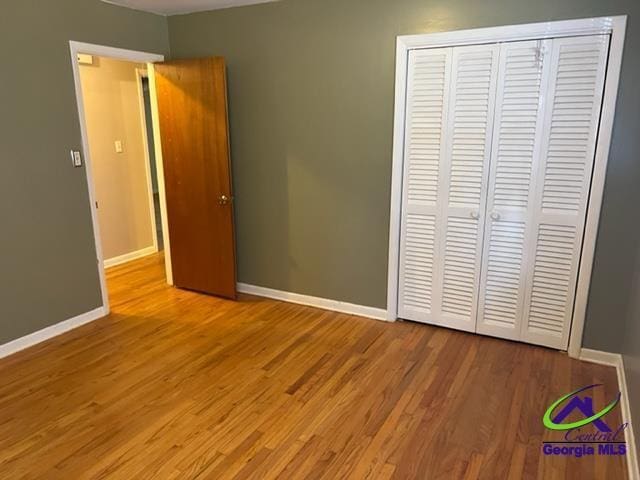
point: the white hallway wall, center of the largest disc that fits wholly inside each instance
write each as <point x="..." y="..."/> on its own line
<point x="112" y="111"/>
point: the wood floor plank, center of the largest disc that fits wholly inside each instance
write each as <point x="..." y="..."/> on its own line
<point x="178" y="385"/>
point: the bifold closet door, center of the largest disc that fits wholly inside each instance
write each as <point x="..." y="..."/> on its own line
<point x="448" y="129"/>
<point x="547" y="116"/>
<point x="558" y="213"/>
<point x="499" y="150"/>
<point x="523" y="77"/>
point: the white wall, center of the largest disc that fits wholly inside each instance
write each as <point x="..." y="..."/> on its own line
<point x="112" y="107"/>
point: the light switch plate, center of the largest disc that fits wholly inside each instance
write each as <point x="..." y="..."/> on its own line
<point x="119" y="148"/>
<point x="76" y="158"/>
<point x="84" y="59"/>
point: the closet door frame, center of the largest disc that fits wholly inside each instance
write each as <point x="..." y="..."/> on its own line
<point x="614" y="26"/>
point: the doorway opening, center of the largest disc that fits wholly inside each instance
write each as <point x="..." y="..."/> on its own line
<point x="119" y="122"/>
<point x="124" y="172"/>
<point x="122" y="156"/>
<point x="123" y="110"/>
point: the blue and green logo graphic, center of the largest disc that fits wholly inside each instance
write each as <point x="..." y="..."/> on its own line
<point x="584" y="405"/>
<point x="578" y="440"/>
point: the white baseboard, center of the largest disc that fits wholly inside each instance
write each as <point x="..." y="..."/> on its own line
<point x="616" y="360"/>
<point x="53" y="331"/>
<point x="602" y="358"/>
<point x="326" y="304"/>
<point x="127" y="257"/>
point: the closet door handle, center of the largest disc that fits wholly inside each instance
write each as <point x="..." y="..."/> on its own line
<point x="495" y="216"/>
<point x="475" y="215"/>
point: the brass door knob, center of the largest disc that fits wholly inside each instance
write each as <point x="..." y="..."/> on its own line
<point x="223" y="200"/>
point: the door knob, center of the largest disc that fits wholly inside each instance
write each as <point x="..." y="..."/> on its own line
<point x="475" y="215"/>
<point x="223" y="200"/>
<point x="495" y="216"/>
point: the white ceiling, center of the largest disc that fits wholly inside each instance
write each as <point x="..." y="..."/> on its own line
<point x="175" y="7"/>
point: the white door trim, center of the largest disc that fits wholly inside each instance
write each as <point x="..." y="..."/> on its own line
<point x="120" y="54"/>
<point x="141" y="74"/>
<point x="157" y="140"/>
<point x="616" y="26"/>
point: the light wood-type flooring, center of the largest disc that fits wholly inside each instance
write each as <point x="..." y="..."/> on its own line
<point x="174" y="384"/>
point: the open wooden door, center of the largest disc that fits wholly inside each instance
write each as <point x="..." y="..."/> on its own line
<point x="192" y="106"/>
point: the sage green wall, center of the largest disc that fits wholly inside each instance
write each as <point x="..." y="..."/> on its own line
<point x="311" y="105"/>
<point x="311" y="87"/>
<point x="48" y="270"/>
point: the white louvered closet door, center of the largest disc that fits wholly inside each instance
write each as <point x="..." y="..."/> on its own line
<point x="523" y="76"/>
<point x="428" y="83"/>
<point x="499" y="150"/>
<point x="559" y="207"/>
<point x="450" y="107"/>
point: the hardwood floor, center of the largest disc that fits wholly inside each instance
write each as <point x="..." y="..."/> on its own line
<point x="174" y="384"/>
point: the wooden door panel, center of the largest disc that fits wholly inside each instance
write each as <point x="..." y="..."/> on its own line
<point x="192" y="104"/>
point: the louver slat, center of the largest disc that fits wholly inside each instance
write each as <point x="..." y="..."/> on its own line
<point x="459" y="267"/>
<point x="551" y="279"/>
<point x="424" y="125"/>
